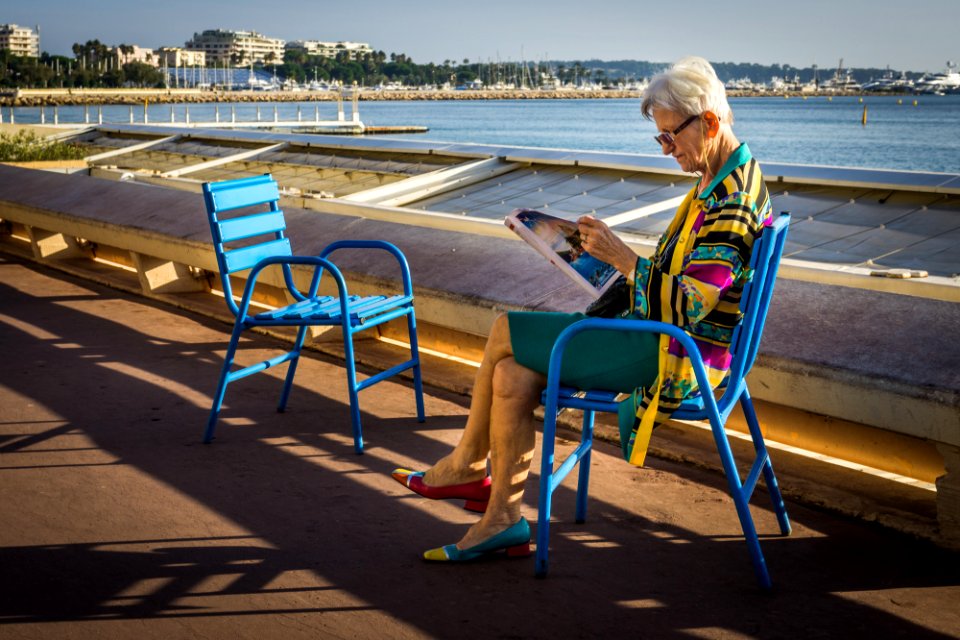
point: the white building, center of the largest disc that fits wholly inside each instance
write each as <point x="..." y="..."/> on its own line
<point x="22" y="41"/>
<point x="236" y="47"/>
<point x="355" y="50"/>
<point x="136" y="54"/>
<point x="176" y="57"/>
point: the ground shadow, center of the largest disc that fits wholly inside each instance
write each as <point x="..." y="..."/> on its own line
<point x="306" y="503"/>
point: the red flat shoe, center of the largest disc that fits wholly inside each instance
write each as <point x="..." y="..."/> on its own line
<point x="476" y="493"/>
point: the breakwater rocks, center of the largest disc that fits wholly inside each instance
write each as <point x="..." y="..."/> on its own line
<point x="80" y="97"/>
<point x="62" y="97"/>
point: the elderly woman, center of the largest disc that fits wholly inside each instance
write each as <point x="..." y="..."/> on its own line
<point x="693" y="280"/>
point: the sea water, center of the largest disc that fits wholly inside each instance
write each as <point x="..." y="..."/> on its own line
<point x="816" y="130"/>
<point x="916" y="133"/>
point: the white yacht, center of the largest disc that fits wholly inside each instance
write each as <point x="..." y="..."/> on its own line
<point x="888" y="83"/>
<point x="740" y="84"/>
<point x="941" y="83"/>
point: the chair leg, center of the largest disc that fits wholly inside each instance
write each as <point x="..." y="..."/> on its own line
<point x="583" y="482"/>
<point x="740" y="500"/>
<point x="779" y="507"/>
<point x="292" y="369"/>
<point x="352" y="388"/>
<point x="222" y="383"/>
<point x="415" y="355"/>
<point x="545" y="500"/>
<point x="753" y="541"/>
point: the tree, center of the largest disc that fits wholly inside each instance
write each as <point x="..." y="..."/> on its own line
<point x="140" y="74"/>
<point x="126" y="50"/>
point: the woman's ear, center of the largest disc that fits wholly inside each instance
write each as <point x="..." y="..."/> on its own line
<point x="712" y="122"/>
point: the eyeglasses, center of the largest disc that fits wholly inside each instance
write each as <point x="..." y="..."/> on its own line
<point x="669" y="137"/>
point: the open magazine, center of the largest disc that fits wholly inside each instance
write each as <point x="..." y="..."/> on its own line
<point x="559" y="242"/>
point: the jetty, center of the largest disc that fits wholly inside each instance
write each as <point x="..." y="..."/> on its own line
<point x="226" y="118"/>
<point x="94" y="97"/>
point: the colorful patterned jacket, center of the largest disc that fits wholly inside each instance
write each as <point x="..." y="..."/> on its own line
<point x="694" y="281"/>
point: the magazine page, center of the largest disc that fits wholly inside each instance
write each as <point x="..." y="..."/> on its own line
<point x="559" y="241"/>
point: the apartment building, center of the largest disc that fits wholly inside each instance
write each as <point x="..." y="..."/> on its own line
<point x="355" y="50"/>
<point x="23" y="41"/>
<point x="173" y="57"/>
<point x="132" y="53"/>
<point x="236" y="47"/>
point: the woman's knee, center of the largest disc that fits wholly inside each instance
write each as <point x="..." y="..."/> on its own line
<point x="513" y="380"/>
<point x="498" y="342"/>
<point x="500" y="330"/>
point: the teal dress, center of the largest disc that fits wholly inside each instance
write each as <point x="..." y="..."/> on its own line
<point x="608" y="360"/>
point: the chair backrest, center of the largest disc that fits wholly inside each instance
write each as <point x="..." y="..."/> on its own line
<point x="755" y="300"/>
<point x="252" y="229"/>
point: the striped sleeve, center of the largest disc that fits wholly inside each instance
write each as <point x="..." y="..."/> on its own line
<point x="720" y="254"/>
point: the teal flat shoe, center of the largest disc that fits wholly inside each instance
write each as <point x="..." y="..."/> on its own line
<point x="515" y="540"/>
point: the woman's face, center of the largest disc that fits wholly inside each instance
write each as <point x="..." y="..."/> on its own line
<point x="687" y="145"/>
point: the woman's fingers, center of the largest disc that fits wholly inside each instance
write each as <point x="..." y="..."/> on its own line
<point x="592" y="231"/>
<point x="603" y="244"/>
<point x="595" y="235"/>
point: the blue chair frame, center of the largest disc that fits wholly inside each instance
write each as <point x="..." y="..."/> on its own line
<point x="262" y="244"/>
<point x="746" y="341"/>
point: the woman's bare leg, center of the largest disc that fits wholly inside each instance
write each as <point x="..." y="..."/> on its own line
<point x="468" y="461"/>
<point x="515" y="393"/>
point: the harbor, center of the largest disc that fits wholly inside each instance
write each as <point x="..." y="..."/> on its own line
<point x="824" y="130"/>
<point x="52" y="98"/>
<point x="239" y="86"/>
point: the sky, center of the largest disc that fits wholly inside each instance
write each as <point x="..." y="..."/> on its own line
<point x="920" y="35"/>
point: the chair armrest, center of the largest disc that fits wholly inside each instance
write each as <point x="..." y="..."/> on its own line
<point x="315" y="261"/>
<point x="609" y="324"/>
<point x="375" y="244"/>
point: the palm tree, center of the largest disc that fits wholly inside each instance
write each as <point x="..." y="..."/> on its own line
<point x="125" y="50"/>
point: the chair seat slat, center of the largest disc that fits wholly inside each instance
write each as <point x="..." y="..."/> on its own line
<point x="593" y="396"/>
<point x="328" y="307"/>
<point x="369" y="306"/>
<point x="384" y="304"/>
<point x="322" y="307"/>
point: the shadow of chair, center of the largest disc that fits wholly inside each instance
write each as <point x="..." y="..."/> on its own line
<point x="248" y="226"/>
<point x="755" y="302"/>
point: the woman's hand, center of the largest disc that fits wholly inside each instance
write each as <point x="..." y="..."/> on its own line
<point x="602" y="244"/>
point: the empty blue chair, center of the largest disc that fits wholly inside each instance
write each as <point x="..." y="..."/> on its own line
<point x="754" y="304"/>
<point x="248" y="233"/>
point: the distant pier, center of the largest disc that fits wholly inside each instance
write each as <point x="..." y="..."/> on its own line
<point x="303" y="123"/>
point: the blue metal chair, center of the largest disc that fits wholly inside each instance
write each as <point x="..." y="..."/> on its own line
<point x="256" y="240"/>
<point x="746" y="340"/>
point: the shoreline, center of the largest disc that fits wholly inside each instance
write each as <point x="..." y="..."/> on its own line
<point x="81" y="97"/>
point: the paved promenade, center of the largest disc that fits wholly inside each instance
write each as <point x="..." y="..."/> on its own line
<point x="115" y="522"/>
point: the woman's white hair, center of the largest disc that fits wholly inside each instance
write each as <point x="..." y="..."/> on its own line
<point x="687" y="88"/>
